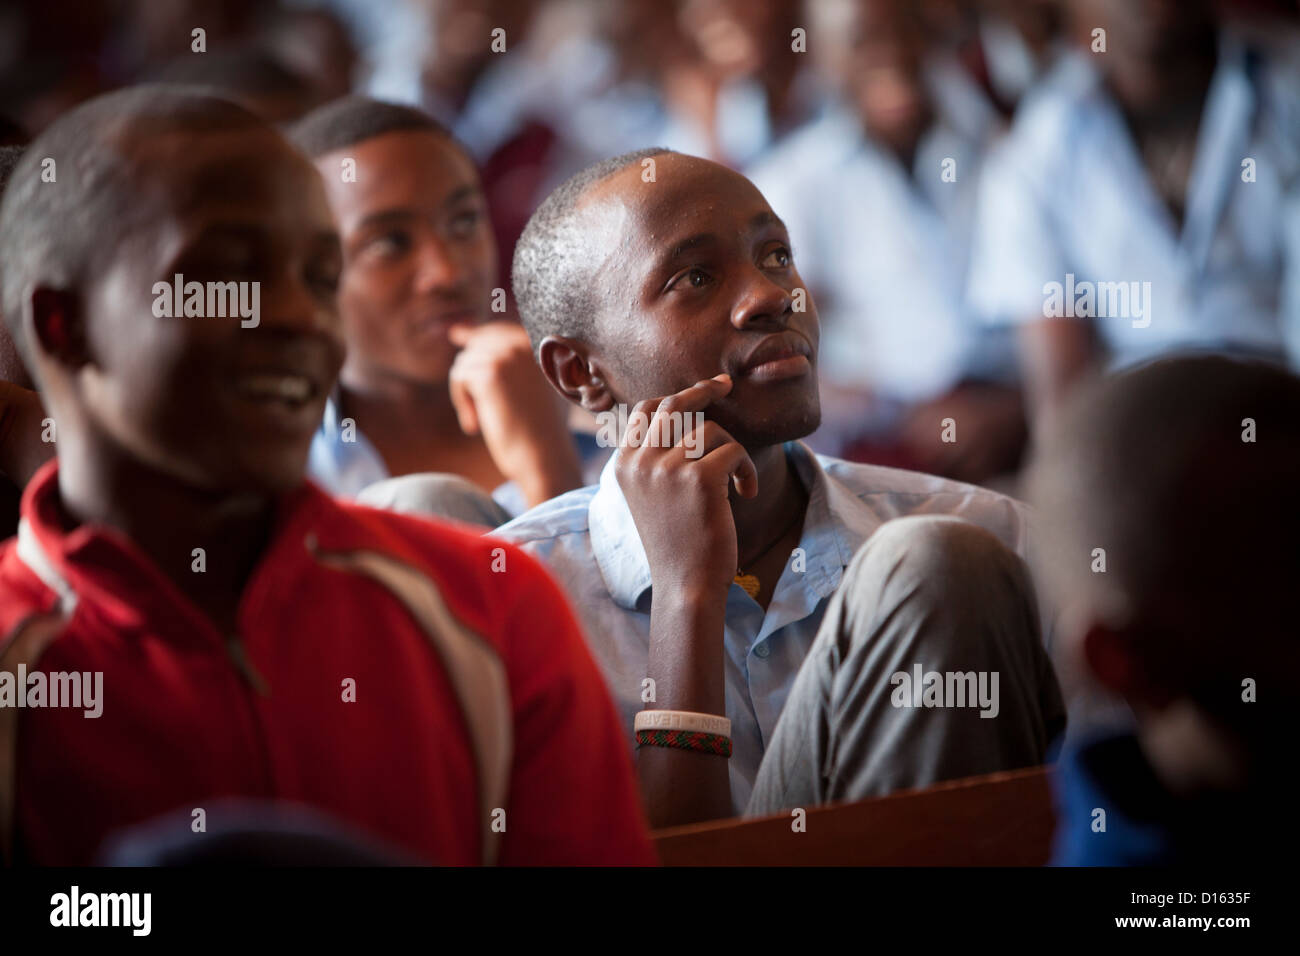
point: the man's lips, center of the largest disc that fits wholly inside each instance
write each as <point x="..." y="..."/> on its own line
<point x="776" y="358"/>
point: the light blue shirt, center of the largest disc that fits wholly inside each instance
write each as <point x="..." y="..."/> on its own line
<point x="590" y="543"/>
<point x="1067" y="194"/>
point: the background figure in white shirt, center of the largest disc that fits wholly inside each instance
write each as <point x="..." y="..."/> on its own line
<point x="1164" y="168"/>
<point x="879" y="197"/>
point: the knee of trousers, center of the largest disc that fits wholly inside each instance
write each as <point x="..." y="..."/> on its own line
<point x="923" y="578"/>
<point x="945" y="594"/>
<point x="435" y="495"/>
<point x="937" y="551"/>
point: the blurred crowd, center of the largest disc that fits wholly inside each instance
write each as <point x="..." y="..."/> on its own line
<point x="939" y="163"/>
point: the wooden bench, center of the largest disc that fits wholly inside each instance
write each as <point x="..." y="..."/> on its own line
<point x="1003" y="819"/>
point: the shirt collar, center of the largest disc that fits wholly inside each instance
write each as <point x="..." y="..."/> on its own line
<point x="836" y="524"/>
<point x="98" y="565"/>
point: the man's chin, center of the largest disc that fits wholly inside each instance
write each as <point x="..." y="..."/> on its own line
<point x="267" y="476"/>
<point x="790" y="425"/>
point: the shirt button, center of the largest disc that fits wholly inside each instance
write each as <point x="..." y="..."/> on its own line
<point x="762" y="650"/>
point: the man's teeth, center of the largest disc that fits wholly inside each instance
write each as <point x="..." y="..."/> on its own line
<point x="290" y="388"/>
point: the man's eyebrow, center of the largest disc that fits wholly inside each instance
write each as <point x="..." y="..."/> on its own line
<point x="767" y="218"/>
<point x="469" y="190"/>
<point x="700" y="239"/>
<point x="386" y="216"/>
<point x="689" y="243"/>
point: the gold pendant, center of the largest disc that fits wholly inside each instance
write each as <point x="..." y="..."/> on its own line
<point x="748" y="583"/>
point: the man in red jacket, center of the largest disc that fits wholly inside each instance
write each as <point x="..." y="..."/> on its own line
<point x="189" y="622"/>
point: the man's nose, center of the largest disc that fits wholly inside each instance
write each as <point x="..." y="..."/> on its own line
<point x="761" y="302"/>
<point x="436" y="267"/>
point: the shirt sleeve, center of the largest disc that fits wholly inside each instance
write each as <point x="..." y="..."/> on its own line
<point x="1015" y="249"/>
<point x="573" y="793"/>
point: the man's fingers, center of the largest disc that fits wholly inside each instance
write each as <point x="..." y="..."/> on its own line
<point x="696" y="397"/>
<point x="460" y="334"/>
<point x="651" y="417"/>
<point x="732" y="457"/>
<point x="463" y="401"/>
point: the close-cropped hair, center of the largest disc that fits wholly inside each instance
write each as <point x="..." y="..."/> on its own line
<point x="355" y="119"/>
<point x="72" y="192"/>
<point x="546" y="273"/>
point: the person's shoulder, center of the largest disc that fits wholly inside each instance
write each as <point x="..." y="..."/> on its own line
<point x="1047" y="120"/>
<point x="915" y="490"/>
<point x="806" y="154"/>
<point x="480" y="577"/>
<point x="562" y="517"/>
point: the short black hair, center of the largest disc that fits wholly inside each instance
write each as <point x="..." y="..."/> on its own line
<point x="57" y="232"/>
<point x="355" y="119"/>
<point x="552" y="300"/>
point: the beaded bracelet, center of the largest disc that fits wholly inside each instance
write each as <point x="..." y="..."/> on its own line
<point x="685" y="740"/>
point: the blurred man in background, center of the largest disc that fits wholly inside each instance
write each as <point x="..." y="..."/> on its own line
<point x="430" y="384"/>
<point x="879" y="194"/>
<point x="1155" y="173"/>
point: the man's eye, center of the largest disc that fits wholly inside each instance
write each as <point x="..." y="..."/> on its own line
<point x="466" y="223"/>
<point x="390" y="244"/>
<point x="778" y="259"/>
<point x="691" y="278"/>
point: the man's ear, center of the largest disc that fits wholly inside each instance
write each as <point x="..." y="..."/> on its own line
<point x="571" y="372"/>
<point x="59" y="326"/>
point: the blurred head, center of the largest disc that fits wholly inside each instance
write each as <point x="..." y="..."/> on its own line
<point x="153" y="182"/>
<point x="461" y="46"/>
<point x="316" y="44"/>
<point x="11" y="365"/>
<point x="633" y="289"/>
<point x="419" y="255"/>
<point x="1200" y="537"/>
<point x="874" y="52"/>
<point x="249" y="74"/>
<point x="1151" y="46"/>
<point x="739" y="37"/>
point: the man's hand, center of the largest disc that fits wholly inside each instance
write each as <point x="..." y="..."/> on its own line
<point x="500" y="393"/>
<point x="681" y="503"/>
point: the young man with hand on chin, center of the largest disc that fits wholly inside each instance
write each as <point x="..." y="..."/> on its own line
<point x="430" y="384"/>
<point x="758" y="601"/>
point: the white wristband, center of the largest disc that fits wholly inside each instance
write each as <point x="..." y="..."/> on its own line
<point x="682" y="720"/>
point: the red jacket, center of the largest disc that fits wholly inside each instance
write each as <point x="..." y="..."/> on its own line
<point x="395" y="604"/>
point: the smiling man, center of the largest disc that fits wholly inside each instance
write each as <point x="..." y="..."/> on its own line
<point x="757" y="600"/>
<point x="257" y="639"/>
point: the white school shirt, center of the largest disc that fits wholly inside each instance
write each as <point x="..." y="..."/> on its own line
<point x="1066" y="193"/>
<point x="589" y="542"/>
<point x="886" y="247"/>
